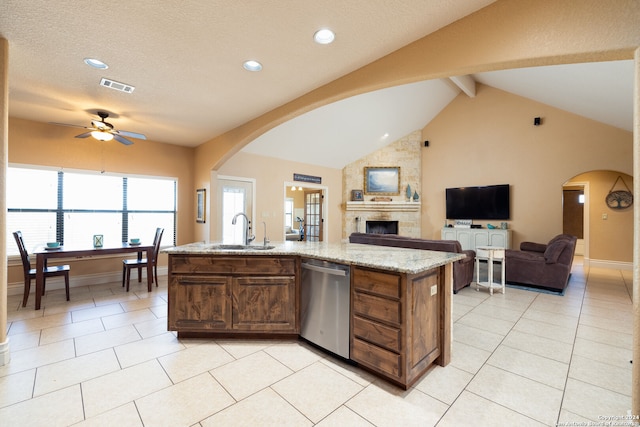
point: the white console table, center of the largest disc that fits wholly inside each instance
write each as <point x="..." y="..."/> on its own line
<point x="491" y="254"/>
<point x="471" y="238"/>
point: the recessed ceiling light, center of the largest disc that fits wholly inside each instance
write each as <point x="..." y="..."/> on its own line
<point x="95" y="63"/>
<point x="386" y="135"/>
<point x="324" y="36"/>
<point x="252" y="65"/>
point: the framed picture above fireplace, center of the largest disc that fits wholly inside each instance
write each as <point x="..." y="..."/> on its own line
<point x="384" y="181"/>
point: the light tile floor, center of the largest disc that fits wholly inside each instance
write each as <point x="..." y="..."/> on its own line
<point x="519" y="359"/>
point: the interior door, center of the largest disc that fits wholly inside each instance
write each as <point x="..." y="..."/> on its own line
<point x="573" y="214"/>
<point x="313" y="215"/>
<point x="234" y="196"/>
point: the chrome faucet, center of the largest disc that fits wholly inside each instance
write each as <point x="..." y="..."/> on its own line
<point x="266" y="240"/>
<point x="248" y="238"/>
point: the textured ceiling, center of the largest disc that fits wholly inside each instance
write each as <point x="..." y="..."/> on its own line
<point x="185" y="58"/>
<point x="185" y="61"/>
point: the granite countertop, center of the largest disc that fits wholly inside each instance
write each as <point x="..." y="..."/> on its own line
<point x="410" y="261"/>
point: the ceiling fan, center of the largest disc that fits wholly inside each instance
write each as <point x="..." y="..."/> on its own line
<point x="104" y="131"/>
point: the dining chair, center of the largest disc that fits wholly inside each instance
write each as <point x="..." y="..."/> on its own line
<point x="139" y="263"/>
<point x="30" y="273"/>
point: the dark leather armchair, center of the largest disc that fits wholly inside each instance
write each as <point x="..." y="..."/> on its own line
<point x="542" y="265"/>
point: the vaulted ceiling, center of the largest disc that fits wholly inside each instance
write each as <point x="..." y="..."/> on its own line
<point x="362" y="124"/>
<point x="184" y="60"/>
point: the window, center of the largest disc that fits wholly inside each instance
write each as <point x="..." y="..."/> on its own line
<point x="146" y="211"/>
<point x="288" y="213"/>
<point x="70" y="207"/>
<point x="233" y="201"/>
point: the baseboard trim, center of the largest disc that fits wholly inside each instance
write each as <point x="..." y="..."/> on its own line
<point x="5" y="356"/>
<point x="78" y="281"/>
<point x="608" y="264"/>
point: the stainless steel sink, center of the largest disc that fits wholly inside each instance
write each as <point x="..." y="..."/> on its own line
<point x="241" y="247"/>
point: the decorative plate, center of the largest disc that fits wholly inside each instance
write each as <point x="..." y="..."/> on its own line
<point x="619" y="199"/>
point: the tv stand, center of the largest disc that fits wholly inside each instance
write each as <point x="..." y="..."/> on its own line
<point x="471" y="238"/>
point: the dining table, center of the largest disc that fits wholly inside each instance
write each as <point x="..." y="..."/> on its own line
<point x="43" y="254"/>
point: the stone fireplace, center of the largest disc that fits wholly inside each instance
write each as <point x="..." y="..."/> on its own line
<point x="398" y="208"/>
<point x="401" y="218"/>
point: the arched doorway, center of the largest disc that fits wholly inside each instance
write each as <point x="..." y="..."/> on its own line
<point x="607" y="231"/>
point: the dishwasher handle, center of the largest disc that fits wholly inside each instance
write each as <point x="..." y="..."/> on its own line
<point x="326" y="270"/>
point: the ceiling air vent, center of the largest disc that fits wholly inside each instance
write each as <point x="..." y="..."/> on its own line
<point x="116" y="85"/>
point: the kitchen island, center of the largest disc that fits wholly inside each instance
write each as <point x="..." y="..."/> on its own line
<point x="400" y="317"/>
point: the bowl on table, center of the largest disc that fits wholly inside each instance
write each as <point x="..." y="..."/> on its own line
<point x="53" y="245"/>
<point x="134" y="241"/>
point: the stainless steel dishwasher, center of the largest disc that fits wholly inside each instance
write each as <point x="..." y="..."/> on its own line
<point x="324" y="301"/>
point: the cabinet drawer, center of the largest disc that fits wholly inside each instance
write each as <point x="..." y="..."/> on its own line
<point x="233" y="265"/>
<point x="377" y="333"/>
<point x="377" y="308"/>
<point x="376" y="282"/>
<point x="378" y="358"/>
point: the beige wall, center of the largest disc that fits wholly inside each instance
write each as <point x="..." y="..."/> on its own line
<point x="270" y="175"/>
<point x="506" y="34"/>
<point x="474" y="43"/>
<point x="491" y="139"/>
<point x="42" y="144"/>
<point x="610" y="239"/>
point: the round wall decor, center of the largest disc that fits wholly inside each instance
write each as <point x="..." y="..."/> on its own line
<point x="619" y="199"/>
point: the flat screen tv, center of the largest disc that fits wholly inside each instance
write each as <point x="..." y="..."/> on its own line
<point x="489" y="202"/>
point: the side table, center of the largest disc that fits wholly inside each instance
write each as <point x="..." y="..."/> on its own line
<point x="491" y="254"/>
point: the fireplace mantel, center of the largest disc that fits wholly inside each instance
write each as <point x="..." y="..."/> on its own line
<point x="383" y="206"/>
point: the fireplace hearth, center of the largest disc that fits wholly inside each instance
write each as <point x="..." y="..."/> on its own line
<point x="382" y="227"/>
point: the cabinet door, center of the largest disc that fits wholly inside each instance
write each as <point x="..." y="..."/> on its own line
<point x="466" y="239"/>
<point x="424" y="324"/>
<point x="448" y="234"/>
<point x="499" y="238"/>
<point x="199" y="303"/>
<point x="264" y="304"/>
<point x="481" y="238"/>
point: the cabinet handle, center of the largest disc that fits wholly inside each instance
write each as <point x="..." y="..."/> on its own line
<point x="332" y="271"/>
<point x="198" y="282"/>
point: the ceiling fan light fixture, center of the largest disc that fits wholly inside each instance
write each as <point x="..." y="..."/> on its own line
<point x="324" y="36"/>
<point x="252" y="65"/>
<point x="101" y="136"/>
<point x="95" y="63"/>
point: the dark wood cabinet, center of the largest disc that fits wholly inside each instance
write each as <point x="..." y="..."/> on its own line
<point x="397" y="327"/>
<point x="264" y="303"/>
<point x="400" y="323"/>
<point x="201" y="303"/>
<point x="233" y="294"/>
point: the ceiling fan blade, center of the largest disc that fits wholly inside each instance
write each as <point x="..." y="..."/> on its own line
<point x="131" y="134"/>
<point x="66" y="124"/>
<point x="121" y="139"/>
<point x="84" y="135"/>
